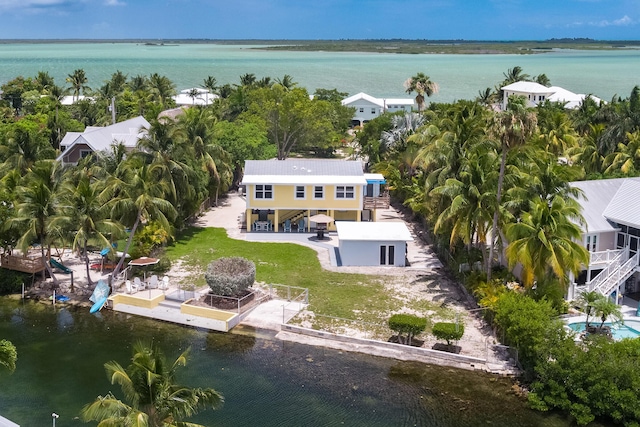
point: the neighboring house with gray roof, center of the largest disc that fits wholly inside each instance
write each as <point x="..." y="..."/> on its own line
<point x="284" y="194"/>
<point x="76" y="145"/>
<point x="368" y="107"/>
<point x="611" y="210"/>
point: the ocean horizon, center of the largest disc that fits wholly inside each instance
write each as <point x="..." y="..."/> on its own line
<point x="603" y="73"/>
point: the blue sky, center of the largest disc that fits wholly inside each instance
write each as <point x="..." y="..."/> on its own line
<point x="321" y="19"/>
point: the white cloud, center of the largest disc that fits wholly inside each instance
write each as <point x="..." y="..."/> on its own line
<point x="622" y="22"/>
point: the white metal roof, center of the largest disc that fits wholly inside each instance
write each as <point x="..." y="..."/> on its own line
<point x="624" y="207"/>
<point x="303" y="171"/>
<point x="599" y="194"/>
<point x="373" y="231"/>
<point x="362" y="96"/>
<point x="528" y="87"/>
<point x="98" y="139"/>
<point x="399" y="101"/>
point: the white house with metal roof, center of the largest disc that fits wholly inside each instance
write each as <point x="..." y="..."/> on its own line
<point x="373" y="243"/>
<point x="535" y="93"/>
<point x="611" y="209"/>
<point x="76" y="145"/>
<point x="368" y="107"/>
<point x="284" y="194"/>
<point x="194" y="96"/>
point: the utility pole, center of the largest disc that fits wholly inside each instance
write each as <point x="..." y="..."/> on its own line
<point x="112" y="108"/>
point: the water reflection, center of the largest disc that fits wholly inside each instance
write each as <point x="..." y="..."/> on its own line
<point x="265" y="382"/>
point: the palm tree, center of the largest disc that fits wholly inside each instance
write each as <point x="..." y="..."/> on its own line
<point x="24" y="147"/>
<point x="545" y="240"/>
<point x="248" y="79"/>
<point x="162" y="89"/>
<point x="422" y="85"/>
<point x="512" y="127"/>
<point x="513" y="75"/>
<point x="587" y="301"/>
<point x="37" y="202"/>
<point x="211" y="84"/>
<point x="606" y="308"/>
<point x="153" y="399"/>
<point x="78" y="81"/>
<point x="83" y="211"/>
<point x="470" y="199"/>
<point x="138" y="192"/>
<point x="542" y="79"/>
<point x="286" y="82"/>
<point x="587" y="152"/>
<point x="627" y="157"/>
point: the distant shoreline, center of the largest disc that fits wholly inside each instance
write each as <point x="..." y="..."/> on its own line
<point x="400" y="46"/>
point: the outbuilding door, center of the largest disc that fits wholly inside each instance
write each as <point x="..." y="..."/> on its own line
<point x="387" y="254"/>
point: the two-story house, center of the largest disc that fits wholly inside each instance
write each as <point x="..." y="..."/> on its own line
<point x="536" y="93"/>
<point x="76" y="145"/>
<point x="611" y="209"/>
<point x="281" y="195"/>
<point x="368" y="107"/>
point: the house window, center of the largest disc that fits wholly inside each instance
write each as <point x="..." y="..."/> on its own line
<point x="84" y="153"/>
<point x="318" y="192"/>
<point x="387" y="255"/>
<point x="592" y="242"/>
<point x="345" y="192"/>
<point x="362" y="109"/>
<point x="264" y="191"/>
<point x="300" y="192"/>
<point x="373" y="111"/>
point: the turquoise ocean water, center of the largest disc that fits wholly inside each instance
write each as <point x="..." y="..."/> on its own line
<point x="603" y="73"/>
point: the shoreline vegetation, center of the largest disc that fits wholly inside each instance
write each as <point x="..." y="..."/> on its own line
<point x="400" y="46"/>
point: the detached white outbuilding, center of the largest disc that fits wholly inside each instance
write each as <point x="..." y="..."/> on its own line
<point x="373" y="243"/>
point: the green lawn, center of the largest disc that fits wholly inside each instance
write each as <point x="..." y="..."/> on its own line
<point x="352" y="296"/>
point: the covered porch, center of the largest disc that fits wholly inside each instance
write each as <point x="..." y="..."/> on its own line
<point x="294" y="220"/>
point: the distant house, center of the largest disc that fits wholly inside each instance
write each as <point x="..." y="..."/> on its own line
<point x="611" y="209"/>
<point x="284" y="194"/>
<point x="367" y="107"/>
<point x="194" y="96"/>
<point x="373" y="243"/>
<point x="76" y="145"/>
<point x="70" y="99"/>
<point x="536" y="93"/>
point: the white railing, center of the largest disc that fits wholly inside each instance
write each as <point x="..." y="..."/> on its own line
<point x="604" y="256"/>
<point x="618" y="276"/>
<point x="610" y="269"/>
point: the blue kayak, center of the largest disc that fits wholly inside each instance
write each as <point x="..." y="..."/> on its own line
<point x="98" y="305"/>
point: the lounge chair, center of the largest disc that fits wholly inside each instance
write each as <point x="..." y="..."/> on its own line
<point x="138" y="284"/>
<point x="286" y="227"/>
<point x="129" y="287"/>
<point x="165" y="283"/>
<point x="153" y="282"/>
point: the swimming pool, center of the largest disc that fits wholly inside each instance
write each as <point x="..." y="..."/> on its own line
<point x="630" y="328"/>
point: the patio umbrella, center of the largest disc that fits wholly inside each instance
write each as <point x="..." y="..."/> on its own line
<point x="320" y="219"/>
<point x="143" y="262"/>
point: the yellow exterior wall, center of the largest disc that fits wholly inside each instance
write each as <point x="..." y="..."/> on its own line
<point x="284" y="198"/>
<point x="209" y="313"/>
<point x="136" y="301"/>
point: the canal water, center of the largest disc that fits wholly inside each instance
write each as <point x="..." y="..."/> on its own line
<point x="265" y="382"/>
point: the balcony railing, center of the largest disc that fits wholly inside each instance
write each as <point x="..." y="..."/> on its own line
<point x="380" y="202"/>
<point x="604" y="257"/>
<point x="29" y="264"/>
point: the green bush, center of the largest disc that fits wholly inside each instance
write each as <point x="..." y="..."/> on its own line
<point x="230" y="276"/>
<point x="448" y="331"/>
<point x="11" y="281"/>
<point x="407" y="324"/>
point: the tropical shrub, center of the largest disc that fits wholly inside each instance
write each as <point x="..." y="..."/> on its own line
<point x="448" y="331"/>
<point x="230" y="276"/>
<point x="11" y="281"/>
<point x="407" y="324"/>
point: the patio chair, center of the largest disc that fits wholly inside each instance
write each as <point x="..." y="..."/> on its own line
<point x="287" y="226"/>
<point x="165" y="283"/>
<point x="301" y="225"/>
<point x="129" y="286"/>
<point x="138" y="284"/>
<point x="153" y="282"/>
